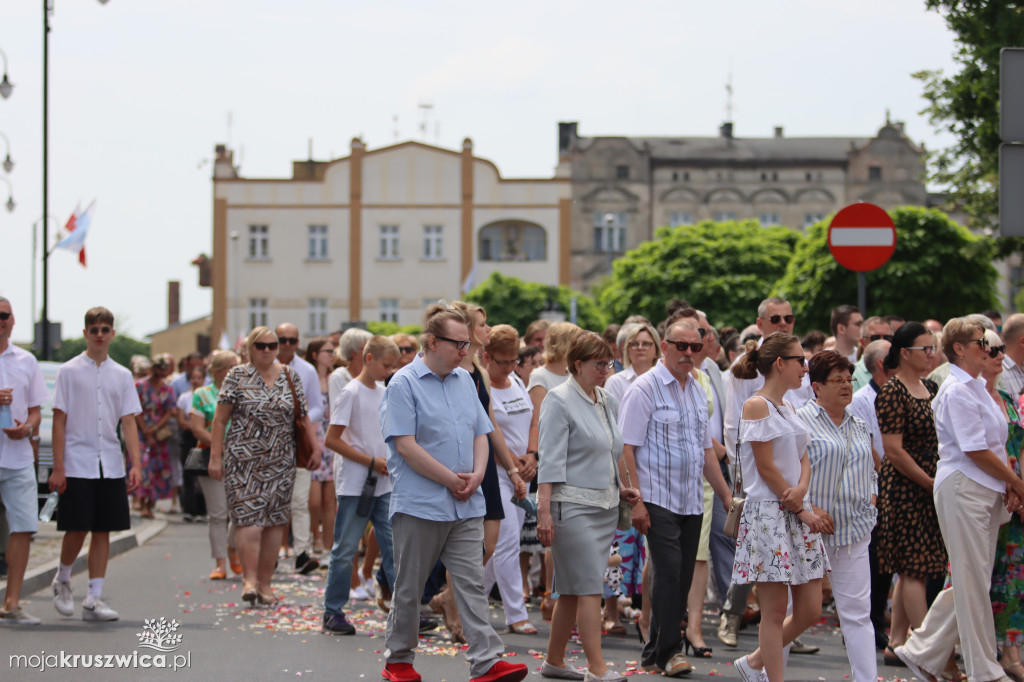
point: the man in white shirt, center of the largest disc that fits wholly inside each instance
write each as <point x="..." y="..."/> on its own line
<point x="846" y="323"/>
<point x="22" y="391"/>
<point x="92" y="395"/>
<point x="1012" y="378"/>
<point x="288" y="343"/>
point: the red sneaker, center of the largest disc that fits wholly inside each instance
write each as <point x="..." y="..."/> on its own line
<point x="401" y="672"/>
<point x="503" y="672"/>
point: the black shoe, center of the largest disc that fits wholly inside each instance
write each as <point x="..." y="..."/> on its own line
<point x="305" y="564"/>
<point x="881" y="640"/>
<point x="427" y="623"/>
<point x="3" y="565"/>
<point x="336" y="624"/>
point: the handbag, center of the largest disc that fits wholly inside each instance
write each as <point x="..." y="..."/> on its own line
<point x="198" y="460"/>
<point x="731" y="527"/>
<point x="625" y="511"/>
<point x="303" y="448"/>
<point x="163" y="433"/>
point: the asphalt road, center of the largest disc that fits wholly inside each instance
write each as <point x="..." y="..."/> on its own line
<point x="223" y="640"/>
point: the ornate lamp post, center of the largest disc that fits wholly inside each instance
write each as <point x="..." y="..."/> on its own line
<point x="5" y="85"/>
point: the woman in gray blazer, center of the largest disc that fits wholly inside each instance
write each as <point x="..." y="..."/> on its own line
<point x="578" y="498"/>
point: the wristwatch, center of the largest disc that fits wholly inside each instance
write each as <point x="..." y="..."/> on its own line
<point x="34" y="439"/>
<point x="513" y="470"/>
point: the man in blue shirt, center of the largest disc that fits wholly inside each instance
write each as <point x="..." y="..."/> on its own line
<point x="436" y="432"/>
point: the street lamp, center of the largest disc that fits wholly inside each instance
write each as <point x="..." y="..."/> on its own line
<point x="10" y="195"/>
<point x="8" y="163"/>
<point x="5" y="85"/>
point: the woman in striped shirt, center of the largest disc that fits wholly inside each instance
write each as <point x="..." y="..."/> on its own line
<point x="844" y="487"/>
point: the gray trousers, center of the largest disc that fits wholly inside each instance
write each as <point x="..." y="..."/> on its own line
<point x="418" y="544"/>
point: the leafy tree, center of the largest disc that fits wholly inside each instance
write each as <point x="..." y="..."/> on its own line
<point x="724" y="269"/>
<point x="389" y="328"/>
<point x="966" y="104"/>
<point x="122" y="348"/>
<point x="510" y="300"/>
<point x="939" y="269"/>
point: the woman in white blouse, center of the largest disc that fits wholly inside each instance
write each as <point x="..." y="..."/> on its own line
<point x="778" y="547"/>
<point x="641" y="349"/>
<point x="844" y="487"/>
<point x="974" y="488"/>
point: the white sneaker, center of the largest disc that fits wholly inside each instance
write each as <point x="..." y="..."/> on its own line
<point x="97" y="610"/>
<point x="17" y="616"/>
<point x="746" y="672"/>
<point x="62" y="600"/>
<point x="358" y="594"/>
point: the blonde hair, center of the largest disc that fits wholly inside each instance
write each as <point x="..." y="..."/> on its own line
<point x="255" y="335"/>
<point x="435" y="317"/>
<point x="558" y="341"/>
<point x="402" y="338"/>
<point x="469" y="310"/>
<point x="222" y="359"/>
<point x="958" y="330"/>
<point x="504" y="339"/>
<point x="631" y="336"/>
<point x="380" y="347"/>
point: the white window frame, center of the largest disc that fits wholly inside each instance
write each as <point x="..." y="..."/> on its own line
<point x="677" y="218"/>
<point x="317" y="243"/>
<point x="259" y="242"/>
<point x="258" y="313"/>
<point x="389" y="243"/>
<point x="812" y="218"/>
<point x="770" y="219"/>
<point x="316" y="316"/>
<point x="724" y="216"/>
<point x="388" y="310"/>
<point x="610" y="238"/>
<point x="433" y="242"/>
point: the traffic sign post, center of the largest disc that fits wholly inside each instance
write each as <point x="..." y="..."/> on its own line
<point x="862" y="238"/>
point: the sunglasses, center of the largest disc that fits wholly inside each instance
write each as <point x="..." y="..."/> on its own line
<point x="876" y="337"/>
<point x="288" y="340"/>
<point x="407" y="349"/>
<point x="775" y="319"/>
<point x="801" y="358"/>
<point x="981" y="341"/>
<point x="681" y="346"/>
<point x="100" y="330"/>
<point x="265" y="345"/>
<point x="5" y="315"/>
<point x="459" y="345"/>
<point x="994" y="351"/>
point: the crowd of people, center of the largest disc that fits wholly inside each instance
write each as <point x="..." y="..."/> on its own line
<point x="596" y="472"/>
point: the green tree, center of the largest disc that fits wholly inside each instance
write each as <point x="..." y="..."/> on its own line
<point x="724" y="269"/>
<point x="966" y="104"/>
<point x="510" y="300"/>
<point x="122" y="348"/>
<point x="389" y="328"/>
<point x="939" y="269"/>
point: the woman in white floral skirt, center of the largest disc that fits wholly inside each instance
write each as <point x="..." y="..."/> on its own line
<point x="779" y="547"/>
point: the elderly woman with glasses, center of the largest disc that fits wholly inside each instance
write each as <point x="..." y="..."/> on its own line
<point x="843" y="487"/>
<point x="578" y="499"/>
<point x="909" y="539"/>
<point x="974" y="488"/>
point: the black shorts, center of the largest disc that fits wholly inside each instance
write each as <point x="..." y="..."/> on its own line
<point x="99" y="505"/>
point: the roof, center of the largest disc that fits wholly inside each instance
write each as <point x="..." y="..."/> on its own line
<point x="749" y="149"/>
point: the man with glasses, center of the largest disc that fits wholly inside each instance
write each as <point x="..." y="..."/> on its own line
<point x="846" y="322"/>
<point x="667" y="447"/>
<point x="92" y="395"/>
<point x="22" y="391"/>
<point x="872" y="329"/>
<point x="288" y="340"/>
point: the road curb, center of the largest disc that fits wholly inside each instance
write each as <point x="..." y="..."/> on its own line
<point x="41" y="576"/>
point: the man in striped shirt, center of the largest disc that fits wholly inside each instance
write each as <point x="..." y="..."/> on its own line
<point x="667" y="448"/>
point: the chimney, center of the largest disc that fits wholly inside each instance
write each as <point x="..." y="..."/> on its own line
<point x="224" y="163"/>
<point x="726" y="130"/>
<point x="778" y="132"/>
<point x="566" y="135"/>
<point x="173" y="303"/>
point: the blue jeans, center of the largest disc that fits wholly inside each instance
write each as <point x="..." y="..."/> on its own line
<point x="348" y="529"/>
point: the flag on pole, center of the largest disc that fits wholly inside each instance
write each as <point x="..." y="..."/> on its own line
<point x="77" y="228"/>
<point x="470" y="280"/>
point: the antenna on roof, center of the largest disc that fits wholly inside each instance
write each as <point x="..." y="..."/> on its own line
<point x="728" y="94"/>
<point x="425" y="109"/>
<point x="395" y="120"/>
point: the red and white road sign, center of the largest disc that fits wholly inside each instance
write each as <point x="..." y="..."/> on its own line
<point x="862" y="237"/>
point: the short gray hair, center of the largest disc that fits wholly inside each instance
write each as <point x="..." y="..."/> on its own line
<point x="352" y="342"/>
<point x="984" y="320"/>
<point x="771" y="300"/>
<point x="875" y="351"/>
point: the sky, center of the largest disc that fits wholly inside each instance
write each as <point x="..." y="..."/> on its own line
<point x="141" y="91"/>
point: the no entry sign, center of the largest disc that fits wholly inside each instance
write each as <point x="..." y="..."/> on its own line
<point x="862" y="237"/>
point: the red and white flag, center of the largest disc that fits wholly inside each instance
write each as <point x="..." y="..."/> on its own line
<point x="77" y="228"/>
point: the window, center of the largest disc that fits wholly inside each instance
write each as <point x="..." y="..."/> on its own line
<point x="770" y="219"/>
<point x="610" y="232"/>
<point x="317" y="308"/>
<point x="675" y="176"/>
<point x="259" y="241"/>
<point x="874" y="172"/>
<point x="389" y="310"/>
<point x="257" y="312"/>
<point x="686" y="177"/>
<point x="433" y="242"/>
<point x="622" y="172"/>
<point x="807" y="177"/>
<point x="722" y="216"/>
<point x="513" y="241"/>
<point x="811" y="218"/>
<point x="317" y="242"/>
<point x="680" y="218"/>
<point x="389" y="242"/>
<point x="775" y="176"/>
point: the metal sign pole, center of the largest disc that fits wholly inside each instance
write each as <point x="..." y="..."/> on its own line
<point x="862" y="293"/>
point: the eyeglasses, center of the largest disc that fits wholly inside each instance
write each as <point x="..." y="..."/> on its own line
<point x="5" y="315"/>
<point x="681" y="346"/>
<point x="839" y="381"/>
<point x="928" y="350"/>
<point x="407" y="349"/>
<point x="775" y="319"/>
<point x="326" y="350"/>
<point x="459" y="345"/>
<point x="876" y="337"/>
<point x="99" y="330"/>
<point x="801" y="358"/>
<point x="288" y="340"/>
<point x="602" y="366"/>
<point x="994" y="351"/>
<point x="505" y="363"/>
<point x="265" y="345"/>
<point x="646" y="345"/>
<point x="981" y="341"/>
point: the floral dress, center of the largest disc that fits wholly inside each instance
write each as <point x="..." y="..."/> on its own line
<point x="156" y="460"/>
<point x="1007" y="592"/>
<point x="326" y="470"/>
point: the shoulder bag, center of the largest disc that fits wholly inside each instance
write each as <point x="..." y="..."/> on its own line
<point x="303" y="448"/>
<point x="731" y="528"/>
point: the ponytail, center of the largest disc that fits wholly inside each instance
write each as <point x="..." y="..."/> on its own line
<point x="746" y="368"/>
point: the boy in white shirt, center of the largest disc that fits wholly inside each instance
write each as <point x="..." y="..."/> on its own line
<point x="92" y="394"/>
<point x="355" y="434"/>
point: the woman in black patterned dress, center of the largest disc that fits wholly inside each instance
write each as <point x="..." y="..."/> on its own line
<point x="910" y="543"/>
<point x="256" y="459"/>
